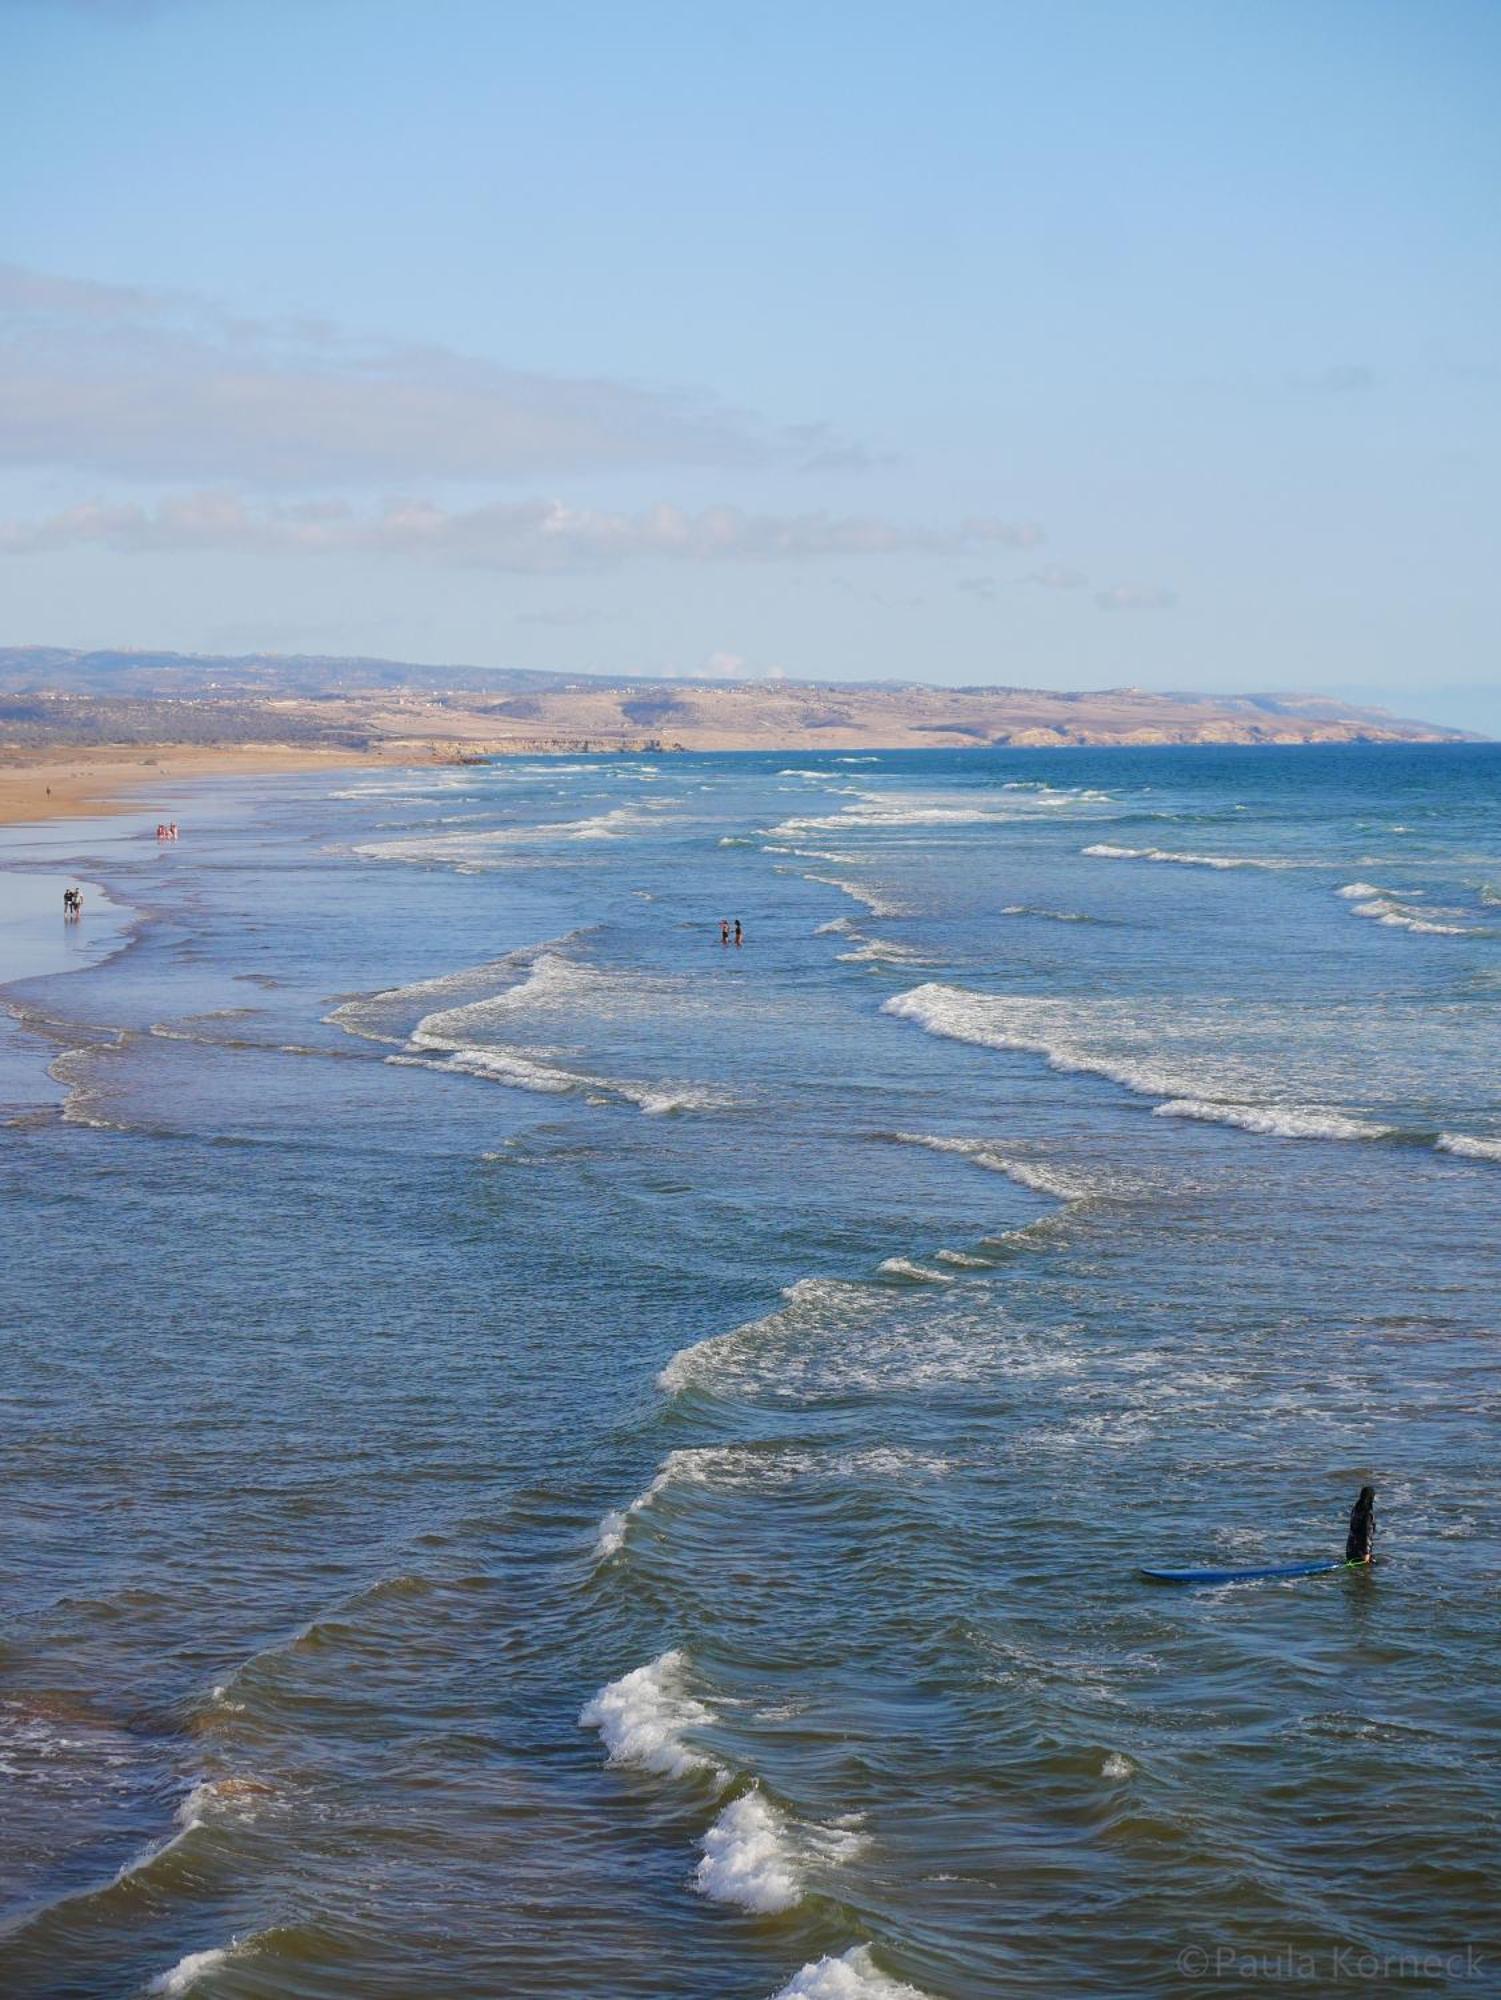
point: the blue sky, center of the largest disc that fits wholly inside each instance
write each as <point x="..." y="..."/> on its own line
<point x="1067" y="346"/>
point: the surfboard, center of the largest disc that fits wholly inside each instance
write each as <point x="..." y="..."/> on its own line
<point x="1243" y="1575"/>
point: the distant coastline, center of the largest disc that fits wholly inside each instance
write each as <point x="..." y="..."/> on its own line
<point x="90" y="732"/>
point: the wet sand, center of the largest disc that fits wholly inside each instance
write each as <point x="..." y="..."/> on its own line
<point x="59" y="784"/>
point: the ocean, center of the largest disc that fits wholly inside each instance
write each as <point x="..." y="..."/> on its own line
<point x="548" y="1455"/>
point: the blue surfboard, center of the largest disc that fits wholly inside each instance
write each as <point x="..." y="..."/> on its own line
<point x="1243" y="1575"/>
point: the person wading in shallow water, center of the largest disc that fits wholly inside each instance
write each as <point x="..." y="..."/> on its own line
<point x="1360" y="1542"/>
<point x="739" y="934"/>
<point x="724" y="930"/>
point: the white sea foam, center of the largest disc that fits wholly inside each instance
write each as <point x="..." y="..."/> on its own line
<point x="642" y="1719"/>
<point x="185" y="1975"/>
<point x="1277" y="1121"/>
<point x="1012" y="1022"/>
<point x="812" y="1305"/>
<point x="1053" y="916"/>
<point x="839" y="926"/>
<point x="523" y="1070"/>
<point x="1004" y="1022"/>
<point x="375" y="1016"/>
<point x="880" y="951"/>
<point x="1357" y="892"/>
<point x="963" y="1261"/>
<point x="473" y="850"/>
<point x="854" y="1976"/>
<point x="1383" y="908"/>
<point x="691" y="1464"/>
<point x="1466" y="1147"/>
<point x="874" y="901"/>
<point x="1034" y="1174"/>
<point x="1116" y="1766"/>
<point x="903" y="1267"/>
<point x="1104" y="851"/>
<point x="452" y="1039"/>
<point x="758" y="1468"/>
<point x="749" y="1858"/>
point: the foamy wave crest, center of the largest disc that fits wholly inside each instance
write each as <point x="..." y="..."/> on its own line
<point x="386" y="1016"/>
<point x="525" y="1072"/>
<point x="749" y="1858"/>
<point x="642" y="1719"/>
<point x="448" y="1040"/>
<point x="1381" y="907"/>
<point x="993" y="1021"/>
<point x="812" y="1305"/>
<point x="186" y="1974"/>
<point x="758" y="1468"/>
<point x="692" y="1464"/>
<point x="879" y="951"/>
<point x="1465" y="1147"/>
<point x="474" y="850"/>
<point x="989" y="1022"/>
<point x="1357" y="892"/>
<point x="1033" y="1174"/>
<point x="1287" y="1121"/>
<point x="1103" y="851"/>
<point x="1052" y="916"/>
<point x="877" y="904"/>
<point x="903" y="1267"/>
<point x="855" y="1976"/>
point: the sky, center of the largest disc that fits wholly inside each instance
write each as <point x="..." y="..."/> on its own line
<point x="1099" y="343"/>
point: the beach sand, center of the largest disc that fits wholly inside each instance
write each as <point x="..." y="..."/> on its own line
<point x="110" y="778"/>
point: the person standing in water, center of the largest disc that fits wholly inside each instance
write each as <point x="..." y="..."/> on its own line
<point x="739" y="934"/>
<point x="724" y="930"/>
<point x="1360" y="1542"/>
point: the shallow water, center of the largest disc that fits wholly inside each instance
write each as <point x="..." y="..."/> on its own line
<point x="550" y="1457"/>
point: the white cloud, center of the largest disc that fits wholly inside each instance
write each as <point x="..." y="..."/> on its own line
<point x="161" y="385"/>
<point x="528" y="536"/>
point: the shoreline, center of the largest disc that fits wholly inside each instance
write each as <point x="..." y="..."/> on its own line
<point x="95" y="781"/>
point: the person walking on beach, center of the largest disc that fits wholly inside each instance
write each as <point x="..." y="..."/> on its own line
<point x="1360" y="1542"/>
<point x="739" y="935"/>
<point x="724" y="930"/>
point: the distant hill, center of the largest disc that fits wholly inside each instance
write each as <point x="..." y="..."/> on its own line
<point x="49" y="695"/>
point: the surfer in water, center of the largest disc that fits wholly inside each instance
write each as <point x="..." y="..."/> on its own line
<point x="1361" y="1538"/>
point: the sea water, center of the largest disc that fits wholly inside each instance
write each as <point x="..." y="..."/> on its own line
<point x="547" y="1455"/>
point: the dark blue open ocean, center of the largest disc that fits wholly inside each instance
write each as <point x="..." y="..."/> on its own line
<point x="548" y="1456"/>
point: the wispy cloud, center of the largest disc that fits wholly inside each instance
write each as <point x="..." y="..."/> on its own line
<point x="161" y="385"/>
<point x="1135" y="597"/>
<point x="1340" y="378"/>
<point x="530" y="536"/>
<point x="1054" y="576"/>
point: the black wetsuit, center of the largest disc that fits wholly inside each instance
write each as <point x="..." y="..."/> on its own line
<point x="1362" y="1535"/>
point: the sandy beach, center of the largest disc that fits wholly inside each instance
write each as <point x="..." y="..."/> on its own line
<point x="58" y="784"/>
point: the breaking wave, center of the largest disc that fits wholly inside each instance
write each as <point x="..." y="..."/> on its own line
<point x="1007" y="1023"/>
<point x="1103" y="851"/>
<point x="1383" y="906"/>
<point x="748" y="1858"/>
<point x="1465" y="1147"/>
<point x="643" y="1719"/>
<point x="855" y="1976"/>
